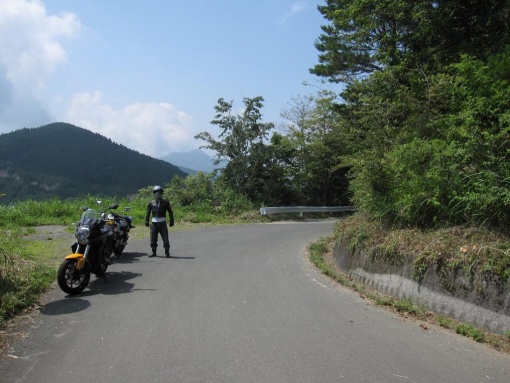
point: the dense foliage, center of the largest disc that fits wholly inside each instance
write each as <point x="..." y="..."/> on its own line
<point x="365" y="36"/>
<point x="201" y="192"/>
<point x="424" y="111"/>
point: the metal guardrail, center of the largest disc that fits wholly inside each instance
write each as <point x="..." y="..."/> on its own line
<point x="305" y="209"/>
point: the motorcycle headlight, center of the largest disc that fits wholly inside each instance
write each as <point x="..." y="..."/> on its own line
<point x="82" y="235"/>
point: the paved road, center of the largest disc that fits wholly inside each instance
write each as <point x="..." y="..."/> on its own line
<point x="236" y="304"/>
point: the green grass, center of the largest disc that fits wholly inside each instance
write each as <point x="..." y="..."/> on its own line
<point x="445" y="322"/>
<point x="317" y="249"/>
<point x="24" y="276"/>
<point x="472" y="250"/>
<point x="470" y="331"/>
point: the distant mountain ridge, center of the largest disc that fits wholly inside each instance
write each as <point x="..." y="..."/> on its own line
<point x="62" y="160"/>
<point x="193" y="161"/>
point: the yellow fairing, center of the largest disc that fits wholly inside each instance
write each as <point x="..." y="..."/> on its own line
<point x="79" y="259"/>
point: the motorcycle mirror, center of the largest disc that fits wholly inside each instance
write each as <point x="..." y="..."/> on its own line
<point x="113" y="206"/>
<point x="84" y="208"/>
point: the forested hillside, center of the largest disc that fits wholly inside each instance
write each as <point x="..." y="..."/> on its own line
<point x="62" y="160"/>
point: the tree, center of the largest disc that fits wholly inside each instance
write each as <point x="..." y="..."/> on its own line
<point x="313" y="164"/>
<point x="242" y="144"/>
<point x="478" y="28"/>
<point x="299" y="115"/>
<point x="365" y="36"/>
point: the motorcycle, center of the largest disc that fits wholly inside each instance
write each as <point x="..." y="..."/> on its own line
<point x="92" y="251"/>
<point x="123" y="225"/>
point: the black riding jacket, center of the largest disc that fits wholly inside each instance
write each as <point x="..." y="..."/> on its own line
<point x="164" y="206"/>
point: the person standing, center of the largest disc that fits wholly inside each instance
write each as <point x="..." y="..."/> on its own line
<point x="159" y="208"/>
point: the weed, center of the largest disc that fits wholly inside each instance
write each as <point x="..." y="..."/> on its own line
<point x="470" y="331"/>
<point x="383" y="300"/>
<point x="445" y="322"/>
<point x="471" y="249"/>
<point x="420" y="266"/>
<point x="405" y="305"/>
<point x="317" y="249"/>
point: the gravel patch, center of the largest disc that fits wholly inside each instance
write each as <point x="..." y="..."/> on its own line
<point x="49" y="232"/>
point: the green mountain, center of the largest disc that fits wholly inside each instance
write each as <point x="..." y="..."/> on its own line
<point x="64" y="161"/>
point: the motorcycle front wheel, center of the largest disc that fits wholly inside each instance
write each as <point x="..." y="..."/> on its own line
<point x="70" y="280"/>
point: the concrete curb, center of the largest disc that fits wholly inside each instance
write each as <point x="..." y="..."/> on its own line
<point x="489" y="310"/>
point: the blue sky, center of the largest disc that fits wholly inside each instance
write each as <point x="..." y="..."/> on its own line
<point x="148" y="73"/>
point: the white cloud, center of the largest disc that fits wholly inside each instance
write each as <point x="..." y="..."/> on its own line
<point x="30" y="51"/>
<point x="295" y="8"/>
<point x="155" y="129"/>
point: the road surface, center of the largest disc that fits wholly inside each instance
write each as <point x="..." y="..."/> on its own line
<point x="235" y="304"/>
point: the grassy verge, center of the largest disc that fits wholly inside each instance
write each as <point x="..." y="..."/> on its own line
<point x="473" y="250"/>
<point x="321" y="256"/>
<point x="24" y="274"/>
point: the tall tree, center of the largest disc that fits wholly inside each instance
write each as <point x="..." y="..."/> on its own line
<point x="478" y="28"/>
<point x="364" y="36"/>
<point x="298" y="113"/>
<point x="313" y="166"/>
<point x="241" y="143"/>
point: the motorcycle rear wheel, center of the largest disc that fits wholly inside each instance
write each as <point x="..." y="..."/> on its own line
<point x="70" y="280"/>
<point x="119" y="249"/>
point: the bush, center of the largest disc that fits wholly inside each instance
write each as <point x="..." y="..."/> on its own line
<point x="452" y="166"/>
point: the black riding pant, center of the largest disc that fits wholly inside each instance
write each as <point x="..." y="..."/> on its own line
<point x="159" y="228"/>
